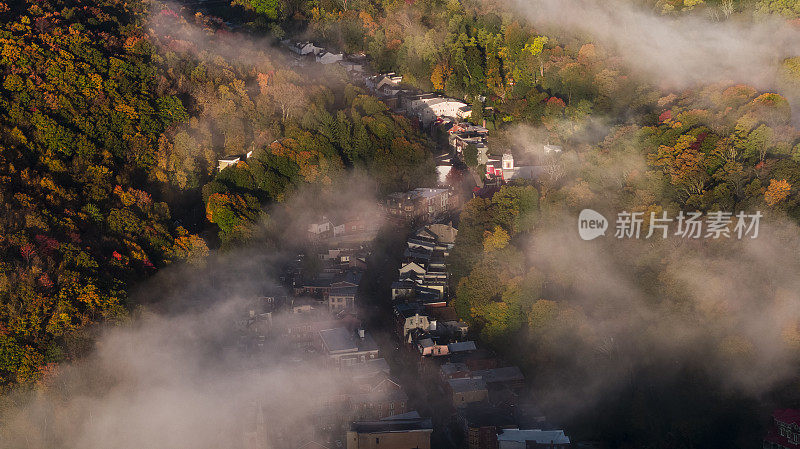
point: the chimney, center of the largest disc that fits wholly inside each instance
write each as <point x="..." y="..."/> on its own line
<point x="361" y="334"/>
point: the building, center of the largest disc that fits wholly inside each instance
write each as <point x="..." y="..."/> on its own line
<point x="377" y="82"/>
<point x="399" y="432"/>
<point x="379" y="399"/>
<point x="452" y="370"/>
<point x="482" y="422"/>
<point x="304" y="48"/>
<point x="409" y="317"/>
<point x="785" y="430"/>
<point x="467" y="390"/>
<point x="462" y="346"/>
<point x="428" y="108"/>
<point x="353" y="227"/>
<point x="532" y="439"/>
<point x="345" y="348"/>
<point x="342" y="298"/>
<point x="508" y="376"/>
<point x="403" y="289"/>
<point x="430" y="347"/>
<point x="421" y="204"/>
<point x="232" y="159"/>
<point x="326" y="57"/>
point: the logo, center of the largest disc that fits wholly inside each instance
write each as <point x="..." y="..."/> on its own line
<point x="591" y="224"/>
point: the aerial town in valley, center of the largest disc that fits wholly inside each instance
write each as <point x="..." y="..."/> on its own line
<point x="399" y="224"/>
<point x="427" y="383"/>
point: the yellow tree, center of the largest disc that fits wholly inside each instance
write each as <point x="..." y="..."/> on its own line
<point x="777" y="191"/>
<point x="439" y="75"/>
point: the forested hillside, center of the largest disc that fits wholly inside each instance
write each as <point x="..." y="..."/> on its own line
<point x="81" y="118"/>
<point x="113" y="116"/>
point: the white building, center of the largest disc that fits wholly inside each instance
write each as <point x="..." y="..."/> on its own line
<point x="326" y="57"/>
<point x="305" y="48"/>
<point x="232" y="159"/>
<point x="428" y="109"/>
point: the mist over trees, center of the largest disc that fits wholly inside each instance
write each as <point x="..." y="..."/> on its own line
<point x="113" y="115"/>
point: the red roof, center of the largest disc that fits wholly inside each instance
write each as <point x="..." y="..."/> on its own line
<point x="781" y="441"/>
<point x="788" y="416"/>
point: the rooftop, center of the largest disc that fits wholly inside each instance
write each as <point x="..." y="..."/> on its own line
<point x="343" y="291"/>
<point x="539" y="436"/>
<point x="409" y="310"/>
<point x="394" y="425"/>
<point x="788" y="416"/>
<point x="462" y="346"/>
<point x="466" y="384"/>
<point x="340" y="340"/>
<point x="499" y="375"/>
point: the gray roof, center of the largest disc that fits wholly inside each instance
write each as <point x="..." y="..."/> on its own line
<point x="403" y="416"/>
<point x="368" y="368"/>
<point x="426" y="343"/>
<point x="341" y="340"/>
<point x="466" y="384"/>
<point x="499" y="375"/>
<point x="450" y="368"/>
<point x="462" y="346"/>
<point x="539" y="436"/>
<point x="395" y="425"/>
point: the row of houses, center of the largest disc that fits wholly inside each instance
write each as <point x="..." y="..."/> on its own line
<point x="422" y="276"/>
<point x="486" y="395"/>
<point x="421" y="205"/>
<point x="350" y="227"/>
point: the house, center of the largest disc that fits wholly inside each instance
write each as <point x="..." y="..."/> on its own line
<point x="443" y="168"/>
<point x="305" y="48"/>
<point x="326" y="57"/>
<point x="370" y="369"/>
<point x="318" y="287"/>
<point x="409" y="317"/>
<point x="411" y="267"/>
<point x="381" y="398"/>
<point x="352" y="67"/>
<point x="452" y="370"/>
<point x="508" y="376"/>
<point x="403" y="289"/>
<point x="480" y="359"/>
<point x="532" y="439"/>
<point x="462" y="346"/>
<point x="443" y="234"/>
<point x="785" y="430"/>
<point x="430" y="347"/>
<point x="232" y="159"/>
<point x="422" y="204"/>
<point x="467" y="390"/>
<point x="303" y="331"/>
<point x="390" y="79"/>
<point x="342" y="298"/>
<point x="482" y="422"/>
<point x="320" y="229"/>
<point x="455" y="329"/>
<point x="345" y="348"/>
<point x="391" y="433"/>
